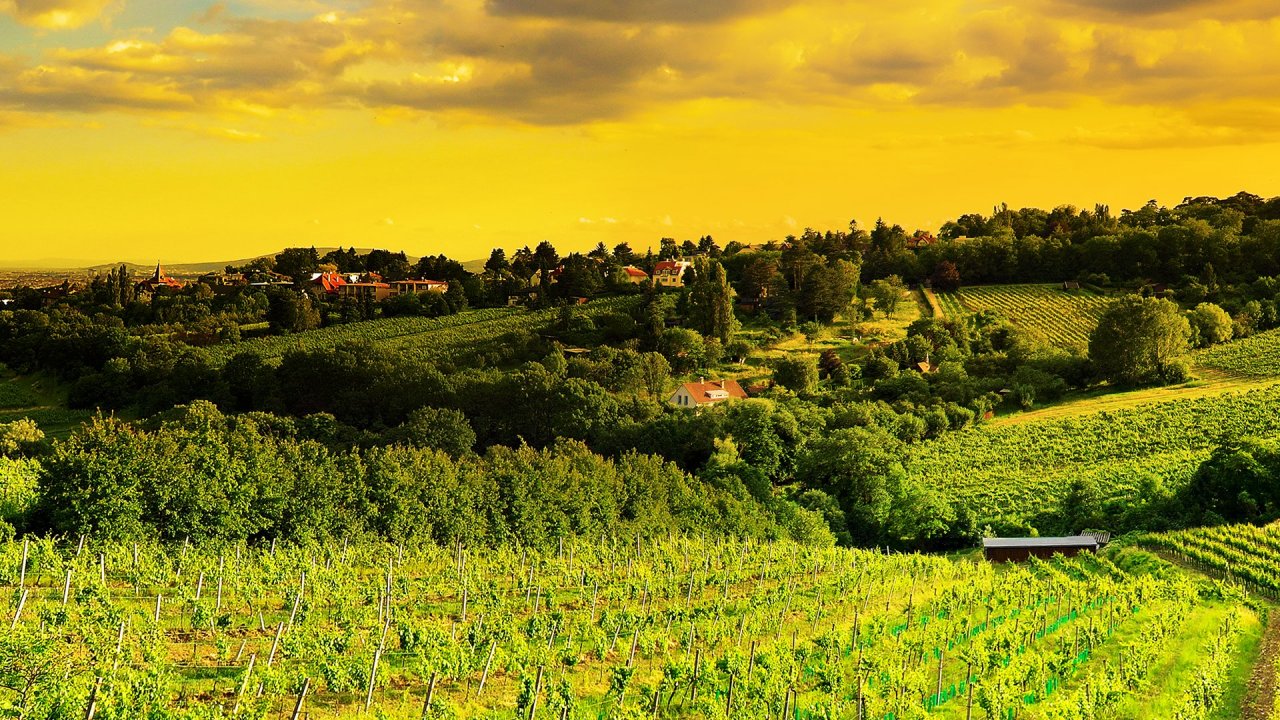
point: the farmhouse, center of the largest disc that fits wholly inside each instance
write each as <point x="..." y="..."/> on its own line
<point x="1021" y="549"/>
<point x="702" y="394"/>
<point x="670" y="273"/>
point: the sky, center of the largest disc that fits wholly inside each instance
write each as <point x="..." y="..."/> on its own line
<point x="191" y="130"/>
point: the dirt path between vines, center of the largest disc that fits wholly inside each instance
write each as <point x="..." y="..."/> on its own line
<point x="1261" y="692"/>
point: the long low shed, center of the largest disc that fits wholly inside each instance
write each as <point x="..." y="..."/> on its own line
<point x="1020" y="549"/>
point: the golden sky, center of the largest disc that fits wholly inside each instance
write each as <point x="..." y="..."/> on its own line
<point x="190" y="130"/>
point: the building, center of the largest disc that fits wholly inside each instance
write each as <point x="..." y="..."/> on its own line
<point x="375" y="291"/>
<point x="159" y="281"/>
<point x="703" y="394"/>
<point x="329" y="282"/>
<point x="412" y="287"/>
<point x="670" y="273"/>
<point x="635" y="275"/>
<point x="1020" y="549"/>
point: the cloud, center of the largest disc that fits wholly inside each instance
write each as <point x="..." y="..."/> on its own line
<point x="571" y="62"/>
<point x="661" y="11"/>
<point x="56" y="14"/>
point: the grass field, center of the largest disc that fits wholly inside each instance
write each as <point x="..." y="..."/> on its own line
<point x="1063" y="318"/>
<point x="41" y="399"/>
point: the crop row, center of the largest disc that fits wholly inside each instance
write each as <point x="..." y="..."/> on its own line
<point x="1018" y="469"/>
<point x="675" y="627"/>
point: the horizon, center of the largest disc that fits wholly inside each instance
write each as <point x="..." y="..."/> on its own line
<point x="196" y="128"/>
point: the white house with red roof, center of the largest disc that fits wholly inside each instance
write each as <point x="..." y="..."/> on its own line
<point x="670" y="273"/>
<point x="704" y="394"/>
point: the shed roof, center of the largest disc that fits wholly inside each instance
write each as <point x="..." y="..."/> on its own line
<point x="1040" y="542"/>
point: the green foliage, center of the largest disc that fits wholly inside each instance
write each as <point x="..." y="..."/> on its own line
<point x="1210" y="325"/>
<point x="797" y="373"/>
<point x="196" y="473"/>
<point x="1138" y="340"/>
<point x="710" y="301"/>
<point x="20" y="437"/>
<point x="1255" y="356"/>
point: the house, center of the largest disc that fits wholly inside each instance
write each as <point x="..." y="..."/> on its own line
<point x="1070" y="285"/>
<point x="412" y="287"/>
<point x="635" y="275"/>
<point x="703" y="394"/>
<point x="1020" y="549"/>
<point x="926" y="367"/>
<point x="375" y="291"/>
<point x="670" y="273"/>
<point x="330" y="283"/>
<point x="159" y="280"/>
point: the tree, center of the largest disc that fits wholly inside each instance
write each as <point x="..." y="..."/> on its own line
<point x="711" y="301"/>
<point x="887" y="293"/>
<point x="298" y="263"/>
<point x="437" y="429"/>
<point x="289" y="311"/>
<point x="653" y="373"/>
<point x="497" y="262"/>
<point x="798" y="373"/>
<point x="683" y="348"/>
<point x="946" y="277"/>
<point x="1139" y="340"/>
<point x="1210" y="325"/>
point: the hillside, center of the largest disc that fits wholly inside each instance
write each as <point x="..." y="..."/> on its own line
<point x="439" y="339"/>
<point x="1014" y="471"/>
<point x="1062" y="318"/>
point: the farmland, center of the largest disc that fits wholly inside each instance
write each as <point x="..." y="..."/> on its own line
<point x="1063" y="318"/>
<point x="438" y="339"/>
<point x="672" y="628"/>
<point x="1016" y="470"/>
<point x="1255" y="356"/>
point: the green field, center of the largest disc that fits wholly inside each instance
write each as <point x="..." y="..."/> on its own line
<point x="1013" y="471"/>
<point x="589" y="630"/>
<point x="1063" y="318"/>
<point x="1255" y="356"/>
<point x="434" y="339"/>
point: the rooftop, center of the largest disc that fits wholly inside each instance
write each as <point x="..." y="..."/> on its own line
<point x="1039" y="542"/>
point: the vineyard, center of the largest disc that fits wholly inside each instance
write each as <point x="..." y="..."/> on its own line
<point x="1015" y="471"/>
<point x="673" y="628"/>
<point x="1246" y="554"/>
<point x="1256" y="356"/>
<point x="439" y="339"/>
<point x="1063" y="318"/>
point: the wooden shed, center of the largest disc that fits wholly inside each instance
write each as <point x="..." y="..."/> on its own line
<point x="1020" y="549"/>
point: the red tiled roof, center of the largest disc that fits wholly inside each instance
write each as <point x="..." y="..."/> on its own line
<point x="635" y="271"/>
<point x="706" y="393"/>
<point x="330" y="281"/>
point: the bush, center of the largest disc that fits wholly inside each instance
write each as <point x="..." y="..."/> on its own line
<point x="797" y="373"/>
